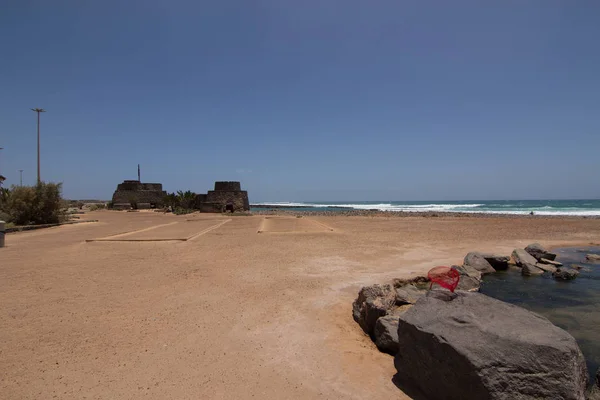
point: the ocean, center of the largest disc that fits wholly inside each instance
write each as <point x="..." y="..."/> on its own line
<point x="523" y="207"/>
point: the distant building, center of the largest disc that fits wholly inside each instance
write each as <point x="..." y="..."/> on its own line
<point x="227" y="196"/>
<point x="135" y="194"/>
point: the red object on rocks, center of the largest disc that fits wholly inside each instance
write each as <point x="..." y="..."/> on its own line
<point x="446" y="277"/>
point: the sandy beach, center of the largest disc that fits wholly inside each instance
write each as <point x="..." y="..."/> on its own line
<point x="159" y="306"/>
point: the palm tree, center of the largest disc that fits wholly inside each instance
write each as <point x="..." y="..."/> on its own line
<point x="186" y="199"/>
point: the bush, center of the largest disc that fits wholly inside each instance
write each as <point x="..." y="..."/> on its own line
<point x="97" y="206"/>
<point x="40" y="204"/>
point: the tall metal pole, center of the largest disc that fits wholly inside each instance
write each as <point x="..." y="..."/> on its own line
<point x="38" y="111"/>
<point x="21" y="172"/>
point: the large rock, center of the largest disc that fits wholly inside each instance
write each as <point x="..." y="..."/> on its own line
<point x="496" y="261"/>
<point x="565" y="274"/>
<point x="386" y="334"/>
<point x="478" y="261"/>
<point x="372" y="302"/>
<point x="470" y="278"/>
<point x="477" y="347"/>
<point x="526" y="262"/>
<point x="539" y="252"/>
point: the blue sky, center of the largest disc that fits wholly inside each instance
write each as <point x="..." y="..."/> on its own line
<point x="312" y="100"/>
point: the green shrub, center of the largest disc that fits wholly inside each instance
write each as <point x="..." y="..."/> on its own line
<point x="97" y="206"/>
<point x="40" y="204"/>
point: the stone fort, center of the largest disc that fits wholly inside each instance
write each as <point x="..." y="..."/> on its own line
<point x="132" y="194"/>
<point x="226" y="196"/>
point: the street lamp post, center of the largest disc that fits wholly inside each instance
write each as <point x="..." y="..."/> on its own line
<point x="21" y="172"/>
<point x="38" y="111"/>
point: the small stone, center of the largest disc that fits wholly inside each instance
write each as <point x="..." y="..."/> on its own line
<point x="546" y="267"/>
<point x="531" y="270"/>
<point x="565" y="274"/>
<point x="592" y="257"/>
<point x="408" y="294"/>
<point x="551" y="262"/>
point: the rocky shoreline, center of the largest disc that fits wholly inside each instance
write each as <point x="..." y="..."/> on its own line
<point x="350" y="212"/>
<point x="473" y="338"/>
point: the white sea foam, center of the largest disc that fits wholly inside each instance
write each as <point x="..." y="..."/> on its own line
<point x="461" y="208"/>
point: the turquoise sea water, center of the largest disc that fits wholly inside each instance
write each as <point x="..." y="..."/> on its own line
<point x="572" y="305"/>
<point x="538" y="207"/>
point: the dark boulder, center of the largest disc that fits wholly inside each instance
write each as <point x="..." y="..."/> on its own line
<point x="496" y="261"/>
<point x="372" y="302"/>
<point x="477" y="347"/>
<point x="539" y="252"/>
<point x="476" y="260"/>
<point x="565" y="274"/>
<point x="386" y="334"/>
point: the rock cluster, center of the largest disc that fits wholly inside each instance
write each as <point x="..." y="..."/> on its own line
<point x="446" y="342"/>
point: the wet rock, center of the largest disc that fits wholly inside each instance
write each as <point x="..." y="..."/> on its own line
<point x="578" y="267"/>
<point x="476" y="260"/>
<point x="470" y="278"/>
<point x="477" y="347"/>
<point x="386" y="334"/>
<point x="531" y="270"/>
<point x="594" y="393"/>
<point x="526" y="262"/>
<point x="565" y="274"/>
<point x="408" y="294"/>
<point x="593" y="258"/>
<point x="546" y="267"/>
<point x="539" y="252"/>
<point x="372" y="302"/>
<point x="497" y="262"/>
<point x="551" y="262"/>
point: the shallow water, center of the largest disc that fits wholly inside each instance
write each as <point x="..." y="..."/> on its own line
<point x="571" y="305"/>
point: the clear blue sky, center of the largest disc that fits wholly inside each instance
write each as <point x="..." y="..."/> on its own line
<point x="306" y="100"/>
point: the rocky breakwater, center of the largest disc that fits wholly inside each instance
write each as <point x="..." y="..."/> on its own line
<point x="466" y="345"/>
